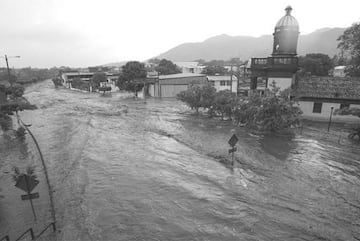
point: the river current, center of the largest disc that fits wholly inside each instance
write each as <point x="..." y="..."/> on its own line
<point x="122" y="169"/>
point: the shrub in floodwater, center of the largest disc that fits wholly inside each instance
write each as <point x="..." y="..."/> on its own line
<point x="273" y="111"/>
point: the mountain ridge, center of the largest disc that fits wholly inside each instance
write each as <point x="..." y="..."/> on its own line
<point x="224" y="46"/>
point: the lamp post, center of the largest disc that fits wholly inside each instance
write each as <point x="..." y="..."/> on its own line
<point x="7" y="66"/>
<point x="331" y="112"/>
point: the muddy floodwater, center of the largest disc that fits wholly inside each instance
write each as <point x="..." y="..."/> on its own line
<point x="125" y="170"/>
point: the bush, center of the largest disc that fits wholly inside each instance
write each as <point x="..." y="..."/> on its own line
<point x="224" y="103"/>
<point x="274" y="111"/>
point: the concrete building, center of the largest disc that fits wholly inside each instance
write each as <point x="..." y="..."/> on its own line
<point x="283" y="63"/>
<point x="339" y="71"/>
<point x="171" y="85"/>
<point x="68" y="77"/>
<point x="318" y="95"/>
<point x="224" y="82"/>
<point x="190" y="67"/>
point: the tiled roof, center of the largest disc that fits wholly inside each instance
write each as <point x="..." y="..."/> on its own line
<point x="328" y="87"/>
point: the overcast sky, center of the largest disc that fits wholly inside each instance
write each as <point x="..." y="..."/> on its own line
<point x="82" y="33"/>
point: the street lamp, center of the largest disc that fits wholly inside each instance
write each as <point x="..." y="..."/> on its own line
<point x="7" y="66"/>
<point x="331" y="112"/>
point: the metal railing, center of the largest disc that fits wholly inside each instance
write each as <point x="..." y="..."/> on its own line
<point x="31" y="231"/>
<point x="6" y="238"/>
<point x="51" y="224"/>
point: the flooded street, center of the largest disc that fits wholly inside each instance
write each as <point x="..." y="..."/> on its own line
<point x="125" y="170"/>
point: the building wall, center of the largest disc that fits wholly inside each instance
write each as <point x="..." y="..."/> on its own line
<point x="219" y="87"/>
<point x="171" y="90"/>
<point x="307" y="109"/>
<point x="283" y="83"/>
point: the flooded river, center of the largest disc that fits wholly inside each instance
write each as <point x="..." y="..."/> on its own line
<point x="125" y="170"/>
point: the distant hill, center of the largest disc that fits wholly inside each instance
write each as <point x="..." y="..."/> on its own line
<point x="244" y="47"/>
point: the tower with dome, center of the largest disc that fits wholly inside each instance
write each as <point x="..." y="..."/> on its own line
<point x="282" y="65"/>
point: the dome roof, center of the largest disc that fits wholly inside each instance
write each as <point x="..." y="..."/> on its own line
<point x="287" y="20"/>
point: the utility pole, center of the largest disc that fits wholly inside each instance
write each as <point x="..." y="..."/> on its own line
<point x="7" y="67"/>
<point x="231" y="76"/>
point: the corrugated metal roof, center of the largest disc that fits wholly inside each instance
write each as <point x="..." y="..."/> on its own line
<point x="181" y="75"/>
<point x="220" y="77"/>
<point x="191" y="64"/>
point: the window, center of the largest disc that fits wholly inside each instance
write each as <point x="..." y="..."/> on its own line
<point x="222" y="82"/>
<point x="342" y="106"/>
<point x="317" y="107"/>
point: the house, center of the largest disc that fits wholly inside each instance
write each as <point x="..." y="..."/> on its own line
<point x="224" y="82"/>
<point x="190" y="67"/>
<point x="68" y="77"/>
<point x="318" y="96"/>
<point x="171" y="85"/>
<point x="339" y="71"/>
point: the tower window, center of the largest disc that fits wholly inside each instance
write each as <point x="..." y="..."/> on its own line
<point x="317" y="107"/>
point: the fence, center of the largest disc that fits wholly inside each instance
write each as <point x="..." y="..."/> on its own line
<point x="31" y="232"/>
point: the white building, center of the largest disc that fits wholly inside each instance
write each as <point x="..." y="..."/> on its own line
<point x="190" y="67"/>
<point x="317" y="96"/>
<point x="339" y="71"/>
<point x="224" y="82"/>
<point x="86" y="76"/>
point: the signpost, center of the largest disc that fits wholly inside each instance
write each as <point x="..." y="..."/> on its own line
<point x="27" y="184"/>
<point x="232" y="142"/>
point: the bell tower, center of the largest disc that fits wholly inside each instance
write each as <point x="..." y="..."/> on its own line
<point x="286" y="35"/>
<point x="283" y="63"/>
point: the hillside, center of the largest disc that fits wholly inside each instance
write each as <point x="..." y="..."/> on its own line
<point x="226" y="47"/>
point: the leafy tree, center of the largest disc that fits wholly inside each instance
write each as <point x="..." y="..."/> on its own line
<point x="191" y="96"/>
<point x="224" y="103"/>
<point x="167" y="67"/>
<point x="97" y="78"/>
<point x="354" y="112"/>
<point x="316" y="63"/>
<point x="132" y="77"/>
<point x="208" y="93"/>
<point x="350" y="44"/>
<point x="198" y="96"/>
<point x="272" y="112"/>
<point x="57" y="81"/>
<point x="214" y="69"/>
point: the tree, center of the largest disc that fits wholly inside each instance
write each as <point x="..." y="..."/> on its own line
<point x="350" y="44"/>
<point x="132" y="77"/>
<point x="97" y="79"/>
<point x="224" y="103"/>
<point x="167" y="67"/>
<point x="191" y="96"/>
<point x="354" y="112"/>
<point x="316" y="63"/>
<point x="214" y="69"/>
